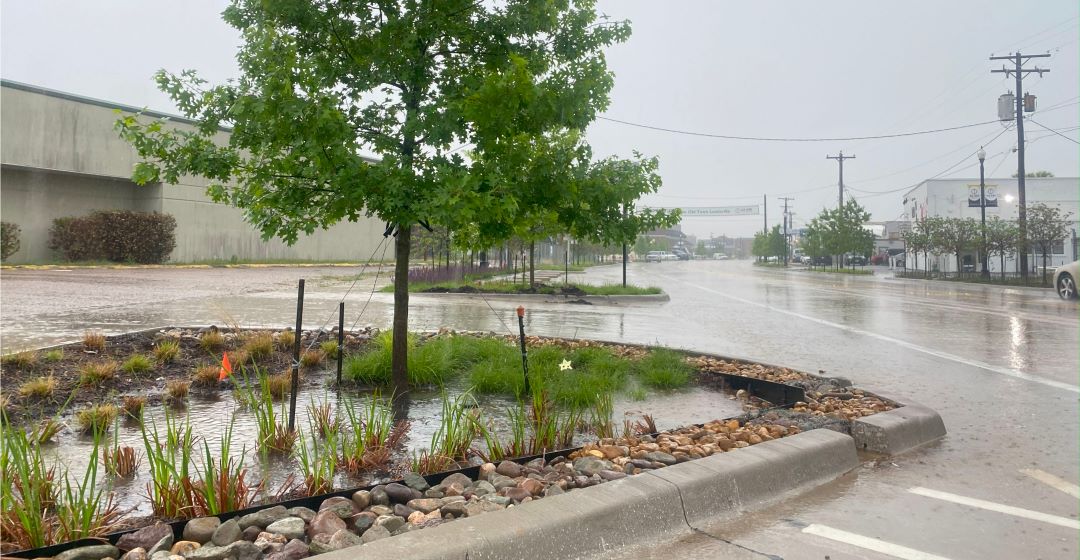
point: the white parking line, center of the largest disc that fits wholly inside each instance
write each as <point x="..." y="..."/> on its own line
<point x="903" y="343"/>
<point x="869" y="543"/>
<point x="1059" y="483"/>
<point x="1000" y="508"/>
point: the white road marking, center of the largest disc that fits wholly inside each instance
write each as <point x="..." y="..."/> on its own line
<point x="994" y="506"/>
<point x="1059" y="483"/>
<point x="869" y="543"/>
<point x="944" y="355"/>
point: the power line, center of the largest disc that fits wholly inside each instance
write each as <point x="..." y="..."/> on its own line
<point x="1054" y="131"/>
<point x="778" y="139"/>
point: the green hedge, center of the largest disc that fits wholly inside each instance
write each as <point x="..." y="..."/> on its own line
<point x="9" y="239"/>
<point x="115" y="235"/>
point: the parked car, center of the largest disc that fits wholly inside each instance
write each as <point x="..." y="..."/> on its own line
<point x="855" y="260"/>
<point x="658" y="256"/>
<point x="682" y="254"/>
<point x="1065" y="280"/>
<point x="825" y="260"/>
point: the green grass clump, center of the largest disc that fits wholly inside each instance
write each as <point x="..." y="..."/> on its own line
<point x="212" y="341"/>
<point x="618" y="290"/>
<point x="54" y="355"/>
<point x="259" y="345"/>
<point x="330" y="348"/>
<point x="137" y="364"/>
<point x="25" y="359"/>
<point x="498" y="371"/>
<point x="96" y="418"/>
<point x="166" y="351"/>
<point x="40" y="388"/>
<point x="663" y="369"/>
<point x="286" y="340"/>
<point x="430" y="363"/>
<point x="97" y="372"/>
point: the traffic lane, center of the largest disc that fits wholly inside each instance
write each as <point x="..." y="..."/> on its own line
<point x="1027" y="346"/>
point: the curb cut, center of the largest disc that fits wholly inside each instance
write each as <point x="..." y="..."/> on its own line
<point x="898" y="430"/>
<point x="660" y="504"/>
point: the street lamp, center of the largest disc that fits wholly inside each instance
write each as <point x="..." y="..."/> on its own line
<point x="982" y="206"/>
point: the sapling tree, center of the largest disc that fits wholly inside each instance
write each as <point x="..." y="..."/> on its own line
<point x="410" y="82"/>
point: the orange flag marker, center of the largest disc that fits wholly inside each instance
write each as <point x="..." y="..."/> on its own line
<point x="226" y="367"/>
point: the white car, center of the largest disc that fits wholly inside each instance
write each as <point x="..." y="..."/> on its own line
<point x="658" y="256"/>
<point x="1065" y="280"/>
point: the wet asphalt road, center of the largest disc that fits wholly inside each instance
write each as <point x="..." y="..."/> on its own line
<point x="1000" y="365"/>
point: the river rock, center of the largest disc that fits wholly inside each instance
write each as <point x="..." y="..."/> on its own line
<point x="95" y="552"/>
<point x="343" y="539"/>
<point x="390" y="522"/>
<point x="144" y="538"/>
<point x="402" y="510"/>
<point x="502" y="481"/>
<point x="379" y="496"/>
<point x="660" y="457"/>
<point x="514" y="493"/>
<point x="375" y="533"/>
<point x="416" y="482"/>
<point x="340" y="505"/>
<point x="509" y="468"/>
<point x="425" y="505"/>
<point x="307" y="514"/>
<point x="137" y="553"/>
<point x="400" y="493"/>
<point x="362" y="499"/>
<point x="163" y="544"/>
<point x="433" y="493"/>
<point x="483" y="487"/>
<point x="326" y="522"/>
<point x="455" y="478"/>
<point x="227" y="533"/>
<point x="208" y="552"/>
<point x="251" y="533"/>
<point x="293" y="550"/>
<point x="270" y="543"/>
<point x="183" y="547"/>
<point x="532" y="486"/>
<point x="201" y="529"/>
<point x="289" y="528"/>
<point x="452" y="489"/>
<point x="472" y="509"/>
<point x="381" y="510"/>
<point x="590" y="465"/>
<point x="161" y="555"/>
<point x="263" y="517"/>
<point x="611" y="475"/>
<point x="486" y="470"/>
<point x="612" y="451"/>
<point x="553" y="490"/>
<point x="362" y="522"/>
<point x="454" y="509"/>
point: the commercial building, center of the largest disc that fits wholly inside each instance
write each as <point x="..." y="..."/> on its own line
<point x="959" y="198"/>
<point x="60" y="156"/>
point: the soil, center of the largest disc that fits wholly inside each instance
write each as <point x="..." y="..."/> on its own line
<point x="70" y="393"/>
<point x="543" y="289"/>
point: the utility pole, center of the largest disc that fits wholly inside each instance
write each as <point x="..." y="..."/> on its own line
<point x="765" y="212"/>
<point x="1018" y="71"/>
<point x="840" y="159"/>
<point x="787" y="217"/>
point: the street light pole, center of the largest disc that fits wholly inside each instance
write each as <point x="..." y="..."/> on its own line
<point x="982" y="207"/>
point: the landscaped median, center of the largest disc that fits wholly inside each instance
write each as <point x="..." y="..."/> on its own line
<point x="617" y="487"/>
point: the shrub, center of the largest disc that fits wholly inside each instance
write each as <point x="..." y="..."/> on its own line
<point x="212" y="341"/>
<point x="115" y="235"/>
<point x="24" y="359"/>
<point x="97" y="418"/>
<point x="94" y="340"/>
<point x="166" y="351"/>
<point x="206" y="375"/>
<point x="97" y="372"/>
<point x="40" y="388"/>
<point x="330" y="348"/>
<point x="259" y="345"/>
<point x="137" y="364"/>
<point x="54" y="355"/>
<point x="286" y="340"/>
<point x="9" y="240"/>
<point x="278" y="385"/>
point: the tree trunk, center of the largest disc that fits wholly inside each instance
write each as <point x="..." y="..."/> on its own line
<point x="399" y="351"/>
<point x="532" y="264"/>
<point x="1003" y="268"/>
<point x="1044" y="269"/>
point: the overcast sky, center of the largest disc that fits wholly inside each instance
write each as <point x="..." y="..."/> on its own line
<point x="772" y="69"/>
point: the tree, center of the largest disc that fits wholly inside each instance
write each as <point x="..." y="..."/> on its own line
<point x="813" y="242"/>
<point x="412" y="81"/>
<point x="1034" y="174"/>
<point x="957" y="235"/>
<point x="840" y="230"/>
<point x="1046" y="226"/>
<point x="769" y="244"/>
<point x="916" y="241"/>
<point x="1001" y="239"/>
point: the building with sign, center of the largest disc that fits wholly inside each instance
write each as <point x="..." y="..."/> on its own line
<point x="959" y="198"/>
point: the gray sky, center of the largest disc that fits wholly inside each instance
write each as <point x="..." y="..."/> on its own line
<point x="777" y="69"/>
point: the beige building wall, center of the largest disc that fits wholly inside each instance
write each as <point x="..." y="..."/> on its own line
<point x="61" y="156"/>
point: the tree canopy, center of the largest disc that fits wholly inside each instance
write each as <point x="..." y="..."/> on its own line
<point x="351" y="109"/>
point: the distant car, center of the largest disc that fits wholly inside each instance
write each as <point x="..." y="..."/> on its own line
<point x="855" y="260"/>
<point x="658" y="256"/>
<point x="720" y="257"/>
<point x="1065" y="280"/>
<point x="681" y="254"/>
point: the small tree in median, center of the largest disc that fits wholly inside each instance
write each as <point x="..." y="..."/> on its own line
<point x="1001" y="239"/>
<point x="1046" y="226"/>
<point x="957" y="235"/>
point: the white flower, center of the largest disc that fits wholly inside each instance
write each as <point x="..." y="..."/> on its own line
<point x="565" y="365"/>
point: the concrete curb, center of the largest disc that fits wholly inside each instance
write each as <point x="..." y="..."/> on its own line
<point x="660" y="504"/>
<point x="898" y="430"/>
<point x="548" y="298"/>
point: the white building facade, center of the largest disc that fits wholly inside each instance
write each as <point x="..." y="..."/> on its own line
<point x="949" y="198"/>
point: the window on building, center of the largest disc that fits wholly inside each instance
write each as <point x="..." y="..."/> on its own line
<point x="1058" y="248"/>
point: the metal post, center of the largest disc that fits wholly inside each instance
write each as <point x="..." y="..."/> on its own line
<point x="340" y="339"/>
<point x="982" y="207"/>
<point x="524" y="352"/>
<point x="566" y="263"/>
<point x="296" y="356"/>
